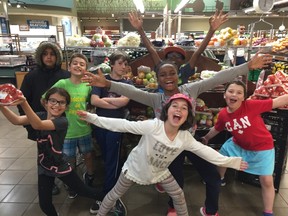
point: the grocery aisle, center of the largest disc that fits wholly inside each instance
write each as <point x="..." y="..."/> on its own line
<point x="18" y="187"/>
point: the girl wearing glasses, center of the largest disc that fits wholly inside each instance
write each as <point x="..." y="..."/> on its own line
<point x="78" y="133"/>
<point x="51" y="127"/>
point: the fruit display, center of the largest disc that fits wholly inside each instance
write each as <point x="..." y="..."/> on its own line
<point x="100" y="40"/>
<point x="274" y="86"/>
<point x="281" y="44"/>
<point x="205" y="117"/>
<point x="9" y="93"/>
<point x="145" y="78"/>
<point x="280" y="66"/>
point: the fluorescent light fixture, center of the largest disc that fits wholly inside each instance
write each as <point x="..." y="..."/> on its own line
<point x="181" y="5"/>
<point x="139" y="5"/>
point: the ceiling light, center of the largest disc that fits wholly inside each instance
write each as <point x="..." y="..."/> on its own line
<point x="116" y="20"/>
<point x="0" y="2"/>
<point x="181" y="5"/>
<point x="24" y="6"/>
<point x="282" y="27"/>
<point x="18" y="5"/>
<point x="81" y="20"/>
<point x="153" y="15"/>
<point x="112" y="15"/>
<point x="9" y="3"/>
<point x="98" y="20"/>
<point x="139" y="5"/>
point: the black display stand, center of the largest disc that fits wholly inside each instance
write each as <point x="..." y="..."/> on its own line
<point x="277" y="123"/>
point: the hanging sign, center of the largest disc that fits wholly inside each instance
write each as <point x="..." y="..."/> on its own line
<point x="38" y="24"/>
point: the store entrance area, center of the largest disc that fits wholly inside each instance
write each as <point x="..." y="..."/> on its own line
<point x="18" y="187"/>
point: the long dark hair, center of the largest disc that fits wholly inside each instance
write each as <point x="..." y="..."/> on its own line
<point x="189" y="121"/>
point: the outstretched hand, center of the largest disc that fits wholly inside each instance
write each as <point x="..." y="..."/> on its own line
<point x="243" y="165"/>
<point x="135" y="20"/>
<point x="98" y="79"/>
<point x="217" y="20"/>
<point x="82" y="114"/>
<point x="260" y="61"/>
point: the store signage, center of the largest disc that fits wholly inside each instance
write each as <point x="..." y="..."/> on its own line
<point x="4" y="29"/>
<point x="7" y="40"/>
<point x="38" y="24"/>
<point x="24" y="28"/>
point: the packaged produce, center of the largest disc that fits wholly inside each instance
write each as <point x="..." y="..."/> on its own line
<point x="9" y="93"/>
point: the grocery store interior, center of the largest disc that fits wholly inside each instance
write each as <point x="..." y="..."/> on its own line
<point x="98" y="28"/>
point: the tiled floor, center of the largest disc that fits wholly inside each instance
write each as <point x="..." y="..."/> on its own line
<point x="18" y="187"/>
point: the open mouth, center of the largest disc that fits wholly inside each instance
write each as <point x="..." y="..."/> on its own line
<point x="177" y="117"/>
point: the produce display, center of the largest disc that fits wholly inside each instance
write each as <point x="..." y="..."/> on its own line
<point x="145" y="78"/>
<point x="9" y="93"/>
<point x="274" y="86"/>
<point x="130" y="40"/>
<point x="281" y="45"/>
<point x="205" y="117"/>
<point x="100" y="40"/>
<point x="77" y="40"/>
<point x="280" y="66"/>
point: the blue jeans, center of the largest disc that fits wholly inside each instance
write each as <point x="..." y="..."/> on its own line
<point x="110" y="144"/>
<point x="207" y="171"/>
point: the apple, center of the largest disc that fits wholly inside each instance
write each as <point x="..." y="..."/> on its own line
<point x="141" y="74"/>
<point x="145" y="81"/>
<point x="148" y="76"/>
<point x="139" y="81"/>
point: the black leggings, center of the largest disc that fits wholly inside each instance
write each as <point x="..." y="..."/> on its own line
<point x="72" y="180"/>
<point x="207" y="171"/>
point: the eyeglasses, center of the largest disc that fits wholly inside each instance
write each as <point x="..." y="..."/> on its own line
<point x="53" y="101"/>
<point x="174" y="55"/>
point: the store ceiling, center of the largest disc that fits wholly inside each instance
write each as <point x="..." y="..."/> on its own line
<point x="120" y="8"/>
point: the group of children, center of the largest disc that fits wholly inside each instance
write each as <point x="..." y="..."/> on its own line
<point x="61" y="129"/>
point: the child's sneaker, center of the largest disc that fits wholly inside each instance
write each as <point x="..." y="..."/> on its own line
<point x="171" y="212"/>
<point x="223" y="182"/>
<point x="120" y="208"/>
<point x="95" y="207"/>
<point x="203" y="212"/>
<point x="159" y="188"/>
<point x="88" y="179"/>
<point x="72" y="194"/>
<point x="267" y="214"/>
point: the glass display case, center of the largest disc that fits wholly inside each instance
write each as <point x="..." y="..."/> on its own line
<point x="12" y="60"/>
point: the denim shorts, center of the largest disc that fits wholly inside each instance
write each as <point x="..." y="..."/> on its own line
<point x="259" y="162"/>
<point x="84" y="144"/>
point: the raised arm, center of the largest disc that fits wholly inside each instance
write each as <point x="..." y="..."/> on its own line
<point x="215" y="22"/>
<point x="34" y="120"/>
<point x="280" y="101"/>
<point x="137" y="22"/>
